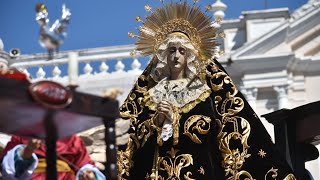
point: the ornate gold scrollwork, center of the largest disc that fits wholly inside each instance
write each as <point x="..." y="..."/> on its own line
<point x="199" y="122"/>
<point x="290" y="177"/>
<point x="273" y="172"/>
<point x="144" y="131"/>
<point x="131" y="109"/>
<point x="227" y="107"/>
<point x="234" y="159"/>
<point x="243" y="175"/>
<point x="173" y="164"/>
<point x="124" y="160"/>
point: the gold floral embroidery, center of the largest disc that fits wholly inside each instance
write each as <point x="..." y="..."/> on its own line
<point x="262" y="153"/>
<point x="173" y="164"/>
<point x="290" y="177"/>
<point x="233" y="161"/>
<point x="143" y="132"/>
<point x="227" y="107"/>
<point x="201" y="170"/>
<point x="133" y="106"/>
<point x="124" y="160"/>
<point x="233" y="158"/>
<point x="200" y="122"/>
<point x="147" y="176"/>
<point x="242" y="175"/>
<point x="157" y="129"/>
<point x="176" y="125"/>
<point x="273" y="172"/>
<point x="187" y="176"/>
<point x="173" y="152"/>
<point x="131" y="109"/>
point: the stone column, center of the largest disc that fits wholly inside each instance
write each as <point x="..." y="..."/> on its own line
<point x="251" y="96"/>
<point x="4" y="57"/>
<point x="218" y="9"/>
<point x="282" y="96"/>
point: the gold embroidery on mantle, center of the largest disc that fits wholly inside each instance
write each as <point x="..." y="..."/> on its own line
<point x="262" y="154"/>
<point x="201" y="170"/>
<point x="131" y="109"/>
<point x="133" y="106"/>
<point x="176" y="125"/>
<point x="290" y="177"/>
<point x="173" y="164"/>
<point x="242" y="175"/>
<point x="147" y="176"/>
<point x="143" y="132"/>
<point x="198" y="122"/>
<point x="157" y="129"/>
<point x="124" y="160"/>
<point x="227" y="107"/>
<point x="272" y="172"/>
<point x="233" y="127"/>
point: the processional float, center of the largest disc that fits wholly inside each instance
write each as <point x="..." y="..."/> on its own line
<point x="50" y="111"/>
<point x="297" y="131"/>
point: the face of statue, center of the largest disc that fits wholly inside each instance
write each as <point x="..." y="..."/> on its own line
<point x="177" y="60"/>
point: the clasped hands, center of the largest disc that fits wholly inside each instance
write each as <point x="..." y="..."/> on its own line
<point x="165" y="112"/>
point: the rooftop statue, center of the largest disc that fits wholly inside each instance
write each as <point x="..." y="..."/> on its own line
<point x="52" y="37"/>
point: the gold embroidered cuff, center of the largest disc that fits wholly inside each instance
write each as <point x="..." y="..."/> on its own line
<point x="156" y="128"/>
<point x="175" y="125"/>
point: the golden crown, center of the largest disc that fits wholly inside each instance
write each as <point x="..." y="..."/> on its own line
<point x="176" y="17"/>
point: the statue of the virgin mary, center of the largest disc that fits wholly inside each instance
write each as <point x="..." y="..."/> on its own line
<point x="188" y="119"/>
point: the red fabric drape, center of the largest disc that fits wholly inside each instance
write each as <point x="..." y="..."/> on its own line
<point x="71" y="148"/>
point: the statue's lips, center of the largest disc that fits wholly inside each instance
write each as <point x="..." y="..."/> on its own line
<point x="176" y="64"/>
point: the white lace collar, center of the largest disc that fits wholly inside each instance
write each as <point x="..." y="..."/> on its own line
<point x="176" y="92"/>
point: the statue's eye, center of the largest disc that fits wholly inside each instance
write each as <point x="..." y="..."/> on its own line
<point x="172" y="49"/>
<point x="182" y="50"/>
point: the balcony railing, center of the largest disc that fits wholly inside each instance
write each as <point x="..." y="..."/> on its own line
<point x="37" y="65"/>
<point x="99" y="68"/>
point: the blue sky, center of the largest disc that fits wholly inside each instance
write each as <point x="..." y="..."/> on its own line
<point x="97" y="23"/>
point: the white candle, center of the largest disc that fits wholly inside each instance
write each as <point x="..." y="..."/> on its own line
<point x="73" y="68"/>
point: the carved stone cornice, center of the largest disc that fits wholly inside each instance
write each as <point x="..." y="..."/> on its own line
<point x="284" y="33"/>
